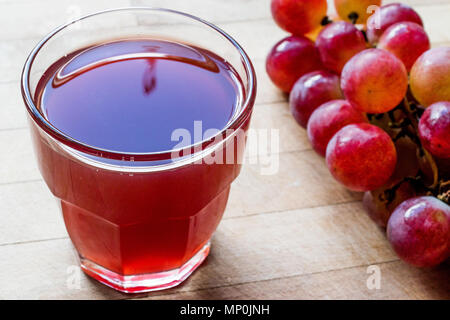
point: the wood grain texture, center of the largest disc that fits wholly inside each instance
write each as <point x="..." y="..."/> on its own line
<point x="216" y="11"/>
<point x="34" y="19"/>
<point x="246" y="249"/>
<point x="296" y="234"/>
<point x="346" y="283"/>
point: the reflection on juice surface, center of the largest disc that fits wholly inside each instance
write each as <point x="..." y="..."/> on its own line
<point x="129" y="96"/>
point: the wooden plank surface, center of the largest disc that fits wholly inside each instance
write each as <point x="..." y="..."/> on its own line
<point x="294" y="235"/>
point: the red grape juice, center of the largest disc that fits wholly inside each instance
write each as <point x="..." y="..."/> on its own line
<point x="129" y="96"/>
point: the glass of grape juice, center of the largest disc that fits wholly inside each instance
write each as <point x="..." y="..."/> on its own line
<point x="138" y="118"/>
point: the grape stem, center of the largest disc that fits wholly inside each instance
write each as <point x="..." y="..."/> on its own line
<point x="408" y="126"/>
<point x="353" y="17"/>
<point x="444" y="192"/>
<point x="413" y="117"/>
<point x="325" y="21"/>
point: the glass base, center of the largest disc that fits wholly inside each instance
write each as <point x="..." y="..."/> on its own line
<point x="145" y="282"/>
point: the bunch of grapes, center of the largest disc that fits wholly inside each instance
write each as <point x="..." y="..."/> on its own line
<point x="375" y="100"/>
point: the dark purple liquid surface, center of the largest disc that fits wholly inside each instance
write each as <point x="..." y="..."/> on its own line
<point x="130" y="96"/>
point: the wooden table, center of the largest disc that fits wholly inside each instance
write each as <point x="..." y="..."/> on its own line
<point x="294" y="235"/>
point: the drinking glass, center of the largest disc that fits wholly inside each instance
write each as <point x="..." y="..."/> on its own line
<point x="139" y="221"/>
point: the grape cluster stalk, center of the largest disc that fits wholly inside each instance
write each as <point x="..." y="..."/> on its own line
<point x="433" y="175"/>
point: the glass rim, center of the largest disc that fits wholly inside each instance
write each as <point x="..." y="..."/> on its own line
<point x="245" y="106"/>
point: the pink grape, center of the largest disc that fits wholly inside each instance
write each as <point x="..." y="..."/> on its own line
<point x="291" y="58"/>
<point x="406" y="40"/>
<point x="434" y="129"/>
<point x="312" y="90"/>
<point x="379" y="208"/>
<point x="328" y="119"/>
<point x="361" y="156"/>
<point x="388" y="15"/>
<point x="419" y="231"/>
<point x="430" y="76"/>
<point x="299" y="17"/>
<point x="374" y="81"/>
<point x="338" y="42"/>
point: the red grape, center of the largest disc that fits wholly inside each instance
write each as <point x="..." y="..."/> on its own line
<point x="406" y="40"/>
<point x="361" y="156"/>
<point x="312" y="90"/>
<point x="376" y="209"/>
<point x="355" y="10"/>
<point x="434" y="129"/>
<point x="338" y="42"/>
<point x="378" y="205"/>
<point x="375" y="81"/>
<point x="430" y="76"/>
<point x="291" y="58"/>
<point x="328" y="119"/>
<point x="407" y="161"/>
<point x="388" y="15"/>
<point x="299" y="16"/>
<point x="419" y="231"/>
